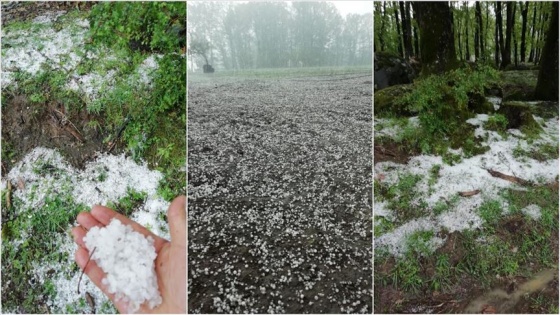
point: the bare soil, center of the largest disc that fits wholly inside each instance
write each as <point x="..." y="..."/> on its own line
<point x="26" y="125"/>
<point x="280" y="195"/>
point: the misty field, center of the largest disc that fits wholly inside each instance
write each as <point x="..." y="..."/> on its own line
<point x="279" y="204"/>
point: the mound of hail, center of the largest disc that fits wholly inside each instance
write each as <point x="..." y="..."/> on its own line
<point x="127" y="257"/>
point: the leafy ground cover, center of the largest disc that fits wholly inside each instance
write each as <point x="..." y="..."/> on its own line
<point x="447" y="230"/>
<point x="79" y="119"/>
<point x="279" y="195"/>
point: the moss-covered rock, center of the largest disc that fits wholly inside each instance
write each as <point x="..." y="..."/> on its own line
<point x="384" y="101"/>
<point x="391" y="70"/>
<point x="479" y="104"/>
<point x="519" y="85"/>
<point x="546" y="109"/>
<point x="519" y="116"/>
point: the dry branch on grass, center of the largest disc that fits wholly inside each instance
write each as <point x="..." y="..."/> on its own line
<point x="469" y="193"/>
<point x="513" y="179"/>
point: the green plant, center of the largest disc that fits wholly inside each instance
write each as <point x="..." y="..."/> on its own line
<point x="497" y="122"/>
<point x="406" y="274"/>
<point x="490" y="211"/>
<point x="157" y="26"/>
<point x="401" y="195"/>
<point x="443" y="274"/>
<point x="419" y="243"/>
<point x="442" y="102"/>
<point x="127" y="204"/>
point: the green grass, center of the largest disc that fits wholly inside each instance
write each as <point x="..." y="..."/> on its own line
<point x="400" y="197"/>
<point x="31" y="237"/>
<point x="277" y="73"/>
<point x="508" y="244"/>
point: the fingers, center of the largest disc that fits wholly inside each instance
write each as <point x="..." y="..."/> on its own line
<point x="96" y="275"/>
<point x="177" y="217"/>
<point x="104" y="215"/>
<point x="86" y="221"/>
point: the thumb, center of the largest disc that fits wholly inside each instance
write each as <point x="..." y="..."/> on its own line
<point x="177" y="217"/>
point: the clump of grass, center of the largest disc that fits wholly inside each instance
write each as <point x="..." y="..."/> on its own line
<point x="497" y="122"/>
<point x="36" y="232"/>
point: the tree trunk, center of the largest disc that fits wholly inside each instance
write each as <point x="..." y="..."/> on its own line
<point x="547" y="84"/>
<point x="400" y="47"/>
<point x="436" y="37"/>
<point x="524" y="30"/>
<point x="541" y="36"/>
<point x="515" y="59"/>
<point x="506" y="52"/>
<point x="416" y="39"/>
<point x="533" y="27"/>
<point x="408" y="29"/>
<point x="497" y="34"/>
<point x="467" y="52"/>
<point x="458" y="30"/>
<point x="381" y="40"/>
<point x="478" y="41"/>
<point x="407" y="32"/>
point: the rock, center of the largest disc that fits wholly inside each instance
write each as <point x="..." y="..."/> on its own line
<point x="518" y="114"/>
<point x="391" y="70"/>
<point x="384" y="101"/>
<point x="479" y="104"/>
<point x="519" y="85"/>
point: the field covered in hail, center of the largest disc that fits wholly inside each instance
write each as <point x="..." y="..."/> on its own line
<point x="279" y="203"/>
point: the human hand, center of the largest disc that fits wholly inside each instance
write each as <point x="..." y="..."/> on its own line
<point x="171" y="261"/>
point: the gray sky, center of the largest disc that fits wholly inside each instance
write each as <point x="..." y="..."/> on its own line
<point x="360" y="7"/>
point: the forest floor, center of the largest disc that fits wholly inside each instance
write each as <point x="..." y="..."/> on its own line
<point x="57" y="158"/>
<point x="451" y="237"/>
<point x="279" y="203"/>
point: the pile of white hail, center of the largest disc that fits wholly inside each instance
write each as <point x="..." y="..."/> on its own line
<point x="127" y="257"/>
<point x="467" y="175"/>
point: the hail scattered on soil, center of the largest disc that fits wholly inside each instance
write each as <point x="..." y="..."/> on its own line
<point x="468" y="175"/>
<point x="28" y="49"/>
<point x="280" y="195"/>
<point x="44" y="172"/>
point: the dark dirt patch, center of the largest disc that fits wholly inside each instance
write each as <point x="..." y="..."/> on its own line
<point x="25" y="11"/>
<point x="26" y="125"/>
<point x="391" y="151"/>
<point x="280" y="196"/>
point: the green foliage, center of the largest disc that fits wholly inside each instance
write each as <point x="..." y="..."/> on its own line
<point x="382" y="226"/>
<point x="37" y="231"/>
<point x="401" y="195"/>
<point x="154" y="25"/>
<point x="406" y="274"/>
<point x="128" y="203"/>
<point x="418" y="243"/>
<point x="443" y="273"/>
<point x="497" y="122"/>
<point x="442" y="103"/>
<point x="490" y="211"/>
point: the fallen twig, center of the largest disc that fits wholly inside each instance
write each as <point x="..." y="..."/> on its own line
<point x="469" y="193"/>
<point x="513" y="179"/>
<point x="118" y="135"/>
<point x="83" y="270"/>
<point x="74" y="131"/>
<point x="9" y="195"/>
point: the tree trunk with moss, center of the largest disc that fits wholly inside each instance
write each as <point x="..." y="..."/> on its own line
<point x="547" y="84"/>
<point x="436" y="37"/>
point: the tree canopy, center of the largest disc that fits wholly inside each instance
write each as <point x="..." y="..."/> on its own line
<point x="278" y="34"/>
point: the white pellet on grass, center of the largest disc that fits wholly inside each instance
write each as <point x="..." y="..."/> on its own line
<point x="127" y="257"/>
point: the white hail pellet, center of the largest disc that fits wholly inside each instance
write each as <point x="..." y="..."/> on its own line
<point x="127" y="257"/>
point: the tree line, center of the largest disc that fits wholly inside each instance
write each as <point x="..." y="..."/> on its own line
<point x="502" y="33"/>
<point x="277" y="34"/>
